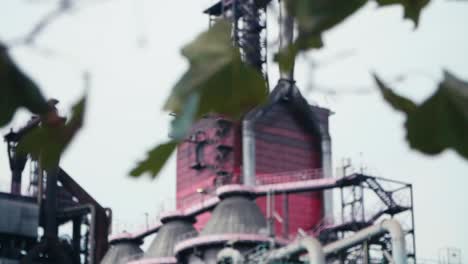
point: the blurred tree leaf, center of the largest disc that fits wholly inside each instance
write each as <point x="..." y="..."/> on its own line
<point x="17" y="90"/>
<point x="219" y="78"/>
<point x="396" y="101"/>
<point x="216" y="81"/>
<point x="182" y="123"/>
<point x="313" y="17"/>
<point x="439" y="123"/>
<point x="316" y="16"/>
<point x="412" y="8"/>
<point x="50" y="140"/>
<point x="155" y="161"/>
<point x="286" y="57"/>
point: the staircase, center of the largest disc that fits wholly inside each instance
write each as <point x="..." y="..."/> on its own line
<point x="384" y="196"/>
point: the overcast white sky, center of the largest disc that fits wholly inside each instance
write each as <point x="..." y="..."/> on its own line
<point x="130" y="84"/>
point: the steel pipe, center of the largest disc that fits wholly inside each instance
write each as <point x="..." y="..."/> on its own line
<point x="286" y="37"/>
<point x="230" y="253"/>
<point x="390" y="226"/>
<point x="309" y="244"/>
<point x="327" y="172"/>
<point x="248" y="153"/>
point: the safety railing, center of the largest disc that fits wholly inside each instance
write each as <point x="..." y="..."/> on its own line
<point x="288" y="176"/>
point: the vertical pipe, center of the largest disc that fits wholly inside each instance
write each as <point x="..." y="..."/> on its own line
<point x="327" y="173"/>
<point x="268" y="212"/>
<point x="286" y="37"/>
<point x="365" y="252"/>
<point x="398" y="240"/>
<point x="248" y="153"/>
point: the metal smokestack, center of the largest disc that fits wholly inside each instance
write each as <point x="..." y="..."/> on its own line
<point x="286" y="37"/>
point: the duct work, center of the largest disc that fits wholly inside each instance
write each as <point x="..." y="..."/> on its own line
<point x="316" y="253"/>
<point x="392" y="227"/>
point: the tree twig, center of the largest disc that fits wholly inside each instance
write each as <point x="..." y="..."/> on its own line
<point x="62" y="7"/>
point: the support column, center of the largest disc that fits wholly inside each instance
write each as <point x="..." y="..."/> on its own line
<point x="77" y="239"/>
<point x="51" y="228"/>
<point x="285" y="215"/>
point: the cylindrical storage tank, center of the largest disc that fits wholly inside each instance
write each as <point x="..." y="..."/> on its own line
<point x="288" y="135"/>
<point x="123" y="250"/>
<point x="236" y="221"/>
<point x="176" y="227"/>
<point x="287" y="151"/>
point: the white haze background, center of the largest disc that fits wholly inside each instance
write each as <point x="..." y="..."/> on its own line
<point x="131" y="82"/>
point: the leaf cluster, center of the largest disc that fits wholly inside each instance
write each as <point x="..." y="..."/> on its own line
<point x="439" y="123"/>
<point x="48" y="141"/>
<point x="314" y="17"/>
<point x="17" y="90"/>
<point x="217" y="81"/>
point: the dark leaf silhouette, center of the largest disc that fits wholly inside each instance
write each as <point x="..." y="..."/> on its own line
<point x="155" y="160"/>
<point x="48" y="141"/>
<point x="313" y="17"/>
<point x="396" y="101"/>
<point x="439" y="123"/>
<point x="412" y="8"/>
<point x="316" y="16"/>
<point x="217" y="81"/>
<point x="17" y="90"/>
<point x="217" y="77"/>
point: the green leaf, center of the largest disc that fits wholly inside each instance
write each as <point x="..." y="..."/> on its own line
<point x="439" y="123"/>
<point x="398" y="102"/>
<point x="182" y="123"/>
<point x="155" y="161"/>
<point x="217" y="81"/>
<point x="17" y="90"/>
<point x="313" y="17"/>
<point x="50" y="140"/>
<point x="224" y="84"/>
<point x="412" y="8"/>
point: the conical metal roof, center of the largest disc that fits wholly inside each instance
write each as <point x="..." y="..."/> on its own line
<point x="237" y="213"/>
<point x="121" y="252"/>
<point x="174" y="229"/>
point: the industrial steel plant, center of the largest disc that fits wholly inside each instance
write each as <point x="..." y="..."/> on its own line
<point x="261" y="189"/>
